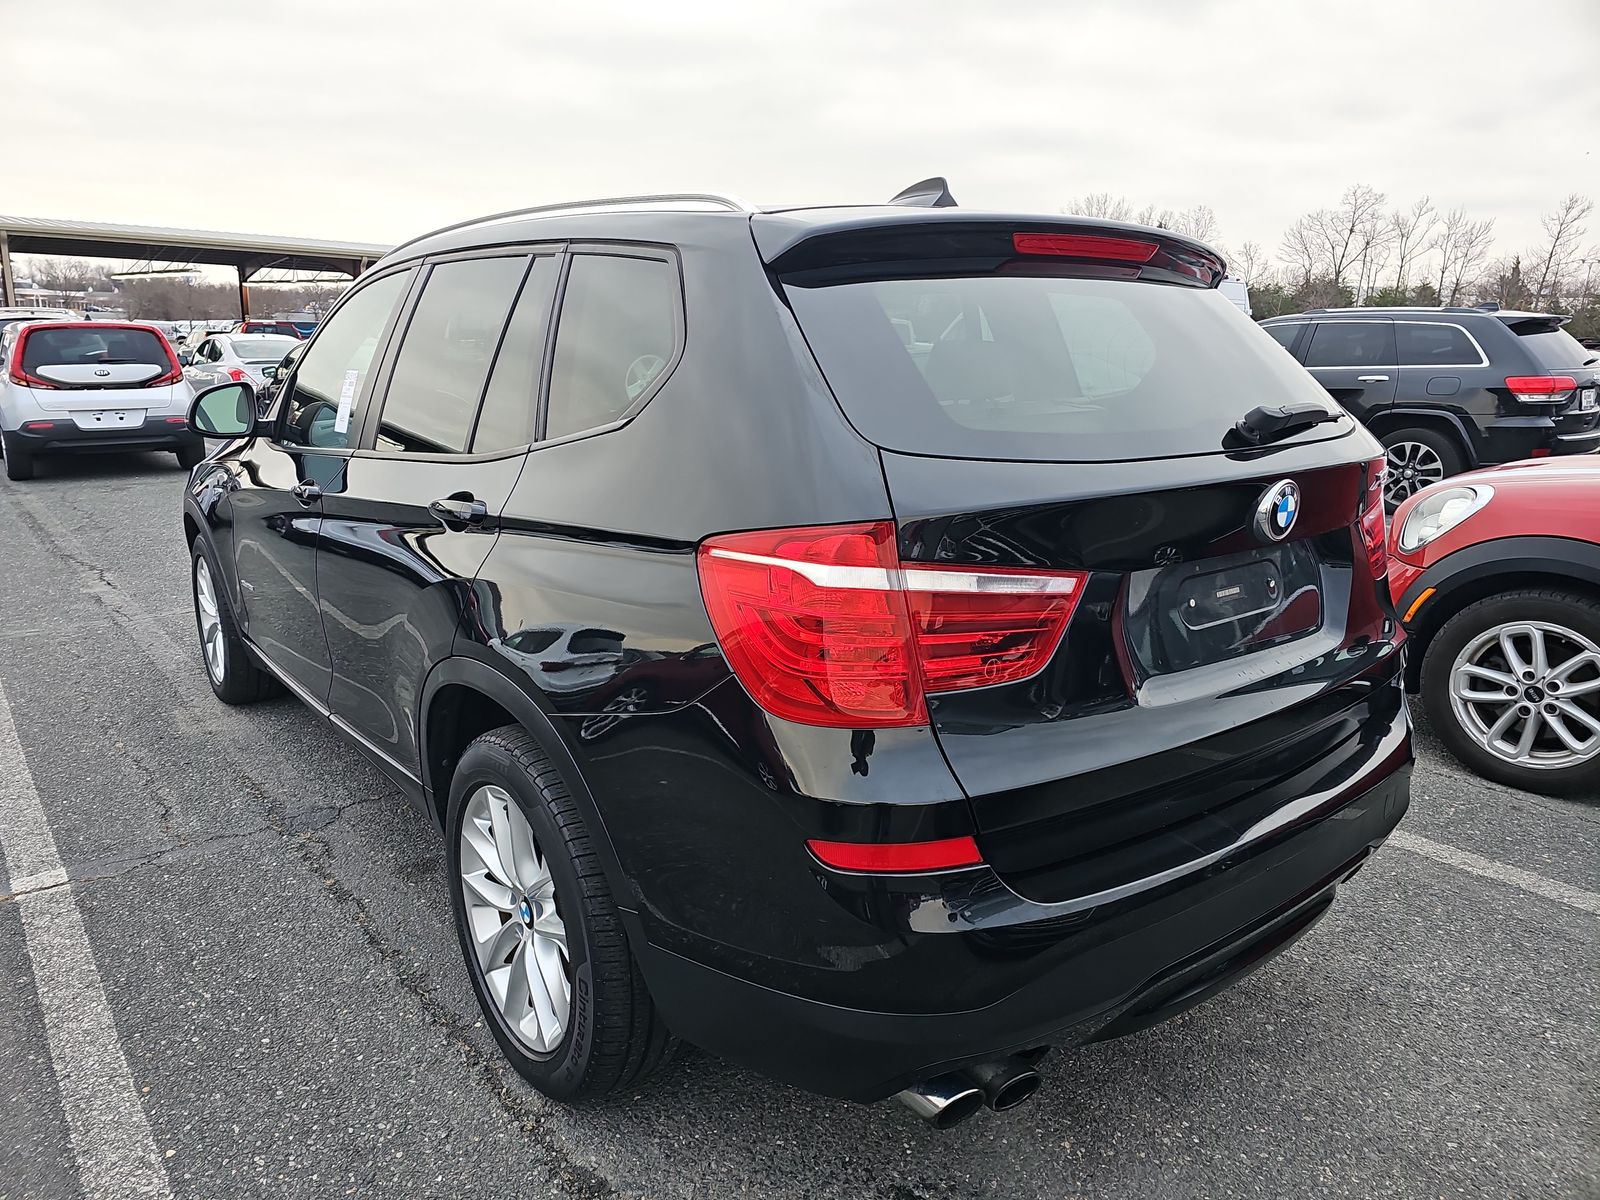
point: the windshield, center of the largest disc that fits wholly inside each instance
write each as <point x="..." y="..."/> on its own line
<point x="1044" y="367"/>
<point x="266" y="348"/>
<point x="76" y="346"/>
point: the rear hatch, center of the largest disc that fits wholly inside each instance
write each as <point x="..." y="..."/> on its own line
<point x="1070" y="411"/>
<point x="97" y="367"/>
<point x="1557" y="355"/>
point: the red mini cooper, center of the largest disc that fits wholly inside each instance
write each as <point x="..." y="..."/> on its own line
<point x="1496" y="575"/>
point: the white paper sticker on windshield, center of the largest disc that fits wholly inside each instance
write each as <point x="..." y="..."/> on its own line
<point x="347" y="401"/>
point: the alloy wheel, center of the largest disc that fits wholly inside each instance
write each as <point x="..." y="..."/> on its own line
<point x="512" y="915"/>
<point x="1412" y="467"/>
<point x="1528" y="692"/>
<point x="212" y="643"/>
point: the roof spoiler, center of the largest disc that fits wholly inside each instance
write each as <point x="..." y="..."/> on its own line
<point x="933" y="192"/>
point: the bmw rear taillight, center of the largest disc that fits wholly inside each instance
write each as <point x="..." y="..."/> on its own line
<point x="1541" y="389"/>
<point x="826" y="626"/>
<point x="1374" y="533"/>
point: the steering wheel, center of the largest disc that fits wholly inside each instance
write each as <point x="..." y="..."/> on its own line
<point x="642" y="372"/>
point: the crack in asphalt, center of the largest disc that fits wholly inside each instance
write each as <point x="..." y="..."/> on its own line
<point x="185" y="847"/>
<point x="317" y="856"/>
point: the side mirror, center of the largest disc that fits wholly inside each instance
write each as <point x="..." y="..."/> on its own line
<point x="185" y="359"/>
<point x="269" y="373"/>
<point x="227" y="410"/>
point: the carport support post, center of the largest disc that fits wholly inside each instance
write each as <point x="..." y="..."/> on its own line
<point x="244" y="296"/>
<point x="8" y="282"/>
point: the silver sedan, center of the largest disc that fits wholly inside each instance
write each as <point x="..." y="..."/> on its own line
<point x="235" y="358"/>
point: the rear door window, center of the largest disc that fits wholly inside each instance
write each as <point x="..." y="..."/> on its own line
<point x="1351" y="344"/>
<point x="1043" y="367"/>
<point x="444" y="357"/>
<point x="616" y="337"/>
<point x="1419" y="344"/>
<point x="511" y="400"/>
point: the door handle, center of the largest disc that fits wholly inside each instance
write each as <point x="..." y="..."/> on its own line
<point x="307" y="493"/>
<point x="1372" y="379"/>
<point x="459" y="510"/>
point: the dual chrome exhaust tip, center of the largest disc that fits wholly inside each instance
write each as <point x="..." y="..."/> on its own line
<point x="946" y="1100"/>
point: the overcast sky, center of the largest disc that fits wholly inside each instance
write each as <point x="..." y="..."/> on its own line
<point x="376" y="121"/>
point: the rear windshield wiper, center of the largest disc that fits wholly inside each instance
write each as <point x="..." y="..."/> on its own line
<point x="1265" y="424"/>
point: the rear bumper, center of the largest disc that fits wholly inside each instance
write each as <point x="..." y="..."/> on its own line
<point x="1071" y="973"/>
<point x="1511" y="439"/>
<point x="66" y="438"/>
<point x="1113" y="974"/>
<point x="1577" y="443"/>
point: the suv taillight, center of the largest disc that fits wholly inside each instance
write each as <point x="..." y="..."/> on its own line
<point x="1541" y="389"/>
<point x="1374" y="534"/>
<point x="826" y="626"/>
<point x="22" y="378"/>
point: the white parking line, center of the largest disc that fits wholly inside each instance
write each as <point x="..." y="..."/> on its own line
<point x="1465" y="860"/>
<point x="110" y="1137"/>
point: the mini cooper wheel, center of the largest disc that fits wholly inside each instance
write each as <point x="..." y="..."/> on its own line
<point x="540" y="933"/>
<point x="232" y="673"/>
<point x="1512" y="687"/>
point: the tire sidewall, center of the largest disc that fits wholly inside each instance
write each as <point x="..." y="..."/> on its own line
<point x="560" y="1073"/>
<point x="202" y="552"/>
<point x="1441" y="656"/>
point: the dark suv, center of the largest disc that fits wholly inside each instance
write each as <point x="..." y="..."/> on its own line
<point x="876" y="644"/>
<point x="1448" y="389"/>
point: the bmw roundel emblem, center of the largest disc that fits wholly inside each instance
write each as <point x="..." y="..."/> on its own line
<point x="1275" y="515"/>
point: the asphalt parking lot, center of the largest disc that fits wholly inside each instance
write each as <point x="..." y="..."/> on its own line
<point x="251" y="959"/>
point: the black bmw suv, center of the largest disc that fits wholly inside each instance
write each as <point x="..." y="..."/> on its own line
<point x="1449" y="389"/>
<point x="876" y="644"/>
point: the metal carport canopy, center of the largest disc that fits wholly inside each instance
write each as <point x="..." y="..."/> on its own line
<point x="246" y="253"/>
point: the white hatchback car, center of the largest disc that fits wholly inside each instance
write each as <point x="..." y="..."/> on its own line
<point x="14" y="316"/>
<point x="74" y="386"/>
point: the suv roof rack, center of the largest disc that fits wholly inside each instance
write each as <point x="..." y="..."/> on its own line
<point x="1381" y="308"/>
<point x="662" y="200"/>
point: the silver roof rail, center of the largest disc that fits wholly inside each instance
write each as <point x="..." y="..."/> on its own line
<point x="664" y="200"/>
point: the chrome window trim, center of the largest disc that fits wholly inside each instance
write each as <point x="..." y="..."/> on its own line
<point x="1483" y="359"/>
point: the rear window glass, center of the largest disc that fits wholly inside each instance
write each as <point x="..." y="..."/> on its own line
<point x="264" y="349"/>
<point x="1044" y="367"/>
<point x="1555" y="349"/>
<point x="81" y="347"/>
<point x="1420" y="344"/>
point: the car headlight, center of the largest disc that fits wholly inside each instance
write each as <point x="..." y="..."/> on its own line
<point x="1442" y="510"/>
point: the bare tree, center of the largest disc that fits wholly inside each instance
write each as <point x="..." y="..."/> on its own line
<point x="1564" y="228"/>
<point x="1339" y="243"/>
<point x="1100" y="204"/>
<point x="1462" y="245"/>
<point x="1198" y="222"/>
<point x="1251" y="263"/>
<point x="66" y="275"/>
<point x="1410" y="234"/>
